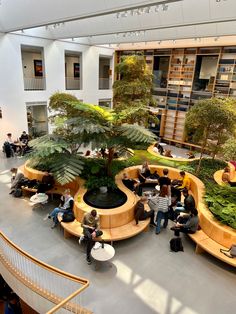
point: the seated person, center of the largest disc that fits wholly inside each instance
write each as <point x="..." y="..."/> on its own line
<point x="17" y="179"/>
<point x="226" y="177"/>
<point x="177" y="188"/>
<point x="66" y="205"/>
<point x="87" y="154"/>
<point x="144" y="172"/>
<point x="187" y="224"/>
<point x="190" y="155"/>
<point x="24" y="138"/>
<point x="131" y="184"/>
<point x="10" y="141"/>
<point x="90" y="225"/>
<point x="154" y="175"/>
<point x="158" y="149"/>
<point x="46" y="184"/>
<point x="141" y="214"/>
<point x="168" y="153"/>
<point x="189" y="202"/>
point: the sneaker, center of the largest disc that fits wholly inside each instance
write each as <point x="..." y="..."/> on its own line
<point x="153" y="224"/>
<point x="81" y="239"/>
<point x="89" y="262"/>
<point x="46" y="217"/>
<point x="53" y="226"/>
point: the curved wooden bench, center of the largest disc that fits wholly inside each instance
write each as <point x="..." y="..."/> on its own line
<point x="204" y="243"/>
<point x="118" y="223"/>
<point x="33" y="174"/>
<point x="150" y="150"/>
<point x="114" y="234"/>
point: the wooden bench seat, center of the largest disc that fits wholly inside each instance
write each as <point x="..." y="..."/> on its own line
<point x="205" y="243"/>
<point x="114" y="234"/>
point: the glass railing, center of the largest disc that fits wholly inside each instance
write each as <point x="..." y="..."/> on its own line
<point x="45" y="288"/>
<point x="72" y="83"/>
<point x="34" y="83"/>
<point x="104" y="83"/>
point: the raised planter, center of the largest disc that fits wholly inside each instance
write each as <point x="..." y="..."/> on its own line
<point x="124" y="215"/>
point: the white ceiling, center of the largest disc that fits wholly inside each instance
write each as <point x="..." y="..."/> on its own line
<point x="95" y="21"/>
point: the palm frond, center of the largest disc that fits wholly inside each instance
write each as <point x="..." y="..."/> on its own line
<point x="66" y="168"/>
<point x="137" y="133"/>
<point x="47" y="145"/>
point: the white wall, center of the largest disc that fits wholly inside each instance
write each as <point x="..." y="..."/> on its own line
<point x="12" y="94"/>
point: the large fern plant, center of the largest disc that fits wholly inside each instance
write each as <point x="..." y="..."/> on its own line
<point x="83" y="124"/>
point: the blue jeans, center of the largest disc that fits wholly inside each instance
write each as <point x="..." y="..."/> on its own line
<point x="160" y="216"/>
<point x="54" y="213"/>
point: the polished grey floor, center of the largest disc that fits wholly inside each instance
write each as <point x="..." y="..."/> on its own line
<point x="145" y="276"/>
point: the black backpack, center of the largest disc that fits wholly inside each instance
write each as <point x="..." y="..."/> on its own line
<point x="68" y="217"/>
<point x="17" y="193"/>
<point x="176" y="245"/>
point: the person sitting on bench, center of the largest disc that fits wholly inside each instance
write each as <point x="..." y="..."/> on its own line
<point x="46" y="184"/>
<point x="17" y="178"/>
<point x="141" y="214"/>
<point x="187" y="223"/>
<point x="189" y="202"/>
<point x="131" y="184"/>
<point x="226" y="177"/>
<point x="66" y="205"/>
<point x="90" y="225"/>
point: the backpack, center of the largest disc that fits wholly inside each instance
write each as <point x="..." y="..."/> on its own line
<point x="231" y="252"/>
<point x="17" y="193"/>
<point x="176" y="245"/>
<point x="68" y="217"/>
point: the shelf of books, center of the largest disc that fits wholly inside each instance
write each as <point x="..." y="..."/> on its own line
<point x="186" y="75"/>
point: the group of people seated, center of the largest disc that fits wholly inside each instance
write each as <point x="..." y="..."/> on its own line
<point x="16" y="147"/>
<point x="18" y="181"/>
<point x="163" y="204"/>
<point x="158" y="148"/>
<point x="99" y="153"/>
<point x="167" y="204"/>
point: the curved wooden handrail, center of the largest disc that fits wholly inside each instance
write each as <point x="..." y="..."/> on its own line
<point x="77" y="279"/>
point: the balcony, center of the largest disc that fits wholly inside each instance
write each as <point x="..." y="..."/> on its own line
<point x="104" y="83"/>
<point x="72" y="83"/>
<point x="34" y="83"/>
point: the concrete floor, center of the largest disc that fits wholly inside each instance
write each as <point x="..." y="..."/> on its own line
<point x="145" y="276"/>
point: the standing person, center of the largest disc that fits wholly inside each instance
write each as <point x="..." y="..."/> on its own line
<point x="141" y="214"/>
<point x="163" y="207"/>
<point x="164" y="180"/>
<point x="90" y="225"/>
<point x="66" y="205"/>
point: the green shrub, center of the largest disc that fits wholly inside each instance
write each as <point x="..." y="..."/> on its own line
<point x="95" y="182"/>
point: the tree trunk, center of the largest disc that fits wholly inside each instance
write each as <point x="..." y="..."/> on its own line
<point x="109" y="161"/>
<point x="202" y="150"/>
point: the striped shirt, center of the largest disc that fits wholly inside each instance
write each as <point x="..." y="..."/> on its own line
<point x="159" y="203"/>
